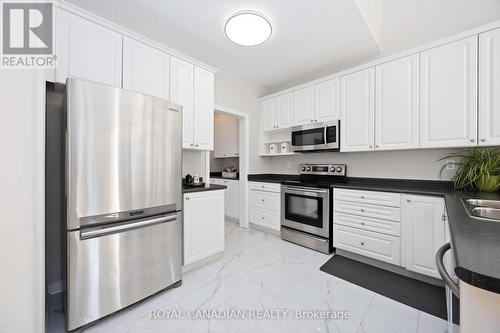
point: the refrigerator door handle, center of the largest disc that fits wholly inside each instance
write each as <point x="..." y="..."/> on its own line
<point x="126" y="227"/>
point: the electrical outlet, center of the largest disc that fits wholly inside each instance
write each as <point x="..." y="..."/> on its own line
<point x="450" y="165"/>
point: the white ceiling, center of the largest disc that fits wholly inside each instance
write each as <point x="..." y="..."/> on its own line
<point x="310" y="38"/>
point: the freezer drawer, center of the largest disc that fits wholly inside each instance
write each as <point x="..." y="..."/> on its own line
<point x="114" y="266"/>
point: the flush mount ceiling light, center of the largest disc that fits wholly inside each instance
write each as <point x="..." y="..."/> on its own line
<point x="248" y="28"/>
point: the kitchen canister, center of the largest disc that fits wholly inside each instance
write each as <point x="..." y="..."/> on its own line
<point x="273" y="148"/>
<point x="285" y="147"/>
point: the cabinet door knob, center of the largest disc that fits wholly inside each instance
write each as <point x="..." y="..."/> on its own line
<point x="196" y="145"/>
<point x="362" y="223"/>
<point x="472" y="140"/>
<point x="483" y="140"/>
<point x="187" y="198"/>
<point x="263" y="218"/>
<point x="362" y="197"/>
<point x="263" y="200"/>
<point x="312" y="121"/>
<point x="376" y="146"/>
<point x="371" y="147"/>
<point x="362" y="209"/>
<point x="408" y="200"/>
<point x="362" y="243"/>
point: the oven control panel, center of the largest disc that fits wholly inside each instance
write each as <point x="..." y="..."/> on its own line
<point x="323" y="169"/>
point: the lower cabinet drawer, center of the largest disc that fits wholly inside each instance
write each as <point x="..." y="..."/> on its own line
<point x="262" y="186"/>
<point x="264" y="217"/>
<point x="367" y="223"/>
<point x="265" y="199"/>
<point x="370" y="244"/>
<point x="374" y="211"/>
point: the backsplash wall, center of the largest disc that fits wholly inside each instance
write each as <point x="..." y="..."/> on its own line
<point x="407" y="164"/>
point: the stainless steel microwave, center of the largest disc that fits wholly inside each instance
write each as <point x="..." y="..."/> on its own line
<point x="316" y="137"/>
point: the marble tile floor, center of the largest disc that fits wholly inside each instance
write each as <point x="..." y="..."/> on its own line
<point x="261" y="272"/>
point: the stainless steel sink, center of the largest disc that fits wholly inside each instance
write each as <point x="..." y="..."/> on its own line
<point x="484" y="203"/>
<point x="486" y="212"/>
<point x="482" y="208"/>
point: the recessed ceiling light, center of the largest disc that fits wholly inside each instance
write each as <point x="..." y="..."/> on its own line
<point x="248" y="28"/>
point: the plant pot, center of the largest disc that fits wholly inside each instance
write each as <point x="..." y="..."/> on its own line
<point x="488" y="183"/>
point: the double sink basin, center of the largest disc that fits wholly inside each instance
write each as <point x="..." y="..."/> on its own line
<point x="482" y="208"/>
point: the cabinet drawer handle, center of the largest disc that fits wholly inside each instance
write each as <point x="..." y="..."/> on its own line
<point x="472" y="140"/>
<point x="483" y="140"/>
<point x="362" y="210"/>
<point x="263" y="217"/>
<point x="362" y="223"/>
<point x="408" y="200"/>
<point x="187" y="198"/>
<point x="263" y="200"/>
<point x="362" y="243"/>
<point x="362" y="197"/>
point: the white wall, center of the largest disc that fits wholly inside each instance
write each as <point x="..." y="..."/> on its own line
<point x="193" y="162"/>
<point x="243" y="96"/>
<point x="22" y="168"/>
<point x="408" y="164"/>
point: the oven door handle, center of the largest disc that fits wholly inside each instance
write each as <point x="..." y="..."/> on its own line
<point x="302" y="190"/>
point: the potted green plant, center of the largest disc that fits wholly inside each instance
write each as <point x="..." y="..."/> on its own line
<point x="478" y="169"/>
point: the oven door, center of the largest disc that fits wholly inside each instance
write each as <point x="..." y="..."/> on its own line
<point x="306" y="209"/>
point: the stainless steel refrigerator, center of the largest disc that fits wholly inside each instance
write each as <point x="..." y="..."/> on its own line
<point x="124" y="199"/>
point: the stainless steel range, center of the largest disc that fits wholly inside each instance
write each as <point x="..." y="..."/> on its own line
<point x="307" y="206"/>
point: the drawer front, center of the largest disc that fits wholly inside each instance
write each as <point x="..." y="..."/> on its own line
<point x="369" y="197"/>
<point x="266" y="218"/>
<point x="266" y="200"/>
<point x="370" y="244"/>
<point x="367" y="223"/>
<point x="374" y="211"/>
<point x="269" y="187"/>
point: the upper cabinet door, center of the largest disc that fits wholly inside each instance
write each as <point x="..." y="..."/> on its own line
<point x="397" y="99"/>
<point x="182" y="93"/>
<point x="448" y="88"/>
<point x="303" y="106"/>
<point x="87" y="51"/>
<point x="357" y="111"/>
<point x="268" y="111"/>
<point x="145" y="69"/>
<point x="203" y="109"/>
<point x="327" y="100"/>
<point x="284" y="115"/>
<point x="489" y="88"/>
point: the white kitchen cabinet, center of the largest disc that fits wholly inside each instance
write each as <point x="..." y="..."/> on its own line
<point x="303" y="106"/>
<point x="232" y="196"/>
<point x="277" y="112"/>
<point x="268" y="111"/>
<point x="145" y="69"/>
<point x="203" y="136"/>
<point x="226" y="136"/>
<point x="203" y="225"/>
<point x="264" y="203"/>
<point x="489" y="88"/>
<point x="448" y="89"/>
<point x="182" y="93"/>
<point x="357" y="111"/>
<point x="87" y="50"/>
<point x="327" y="100"/>
<point x="397" y="104"/>
<point x="423" y="228"/>
<point x="284" y="113"/>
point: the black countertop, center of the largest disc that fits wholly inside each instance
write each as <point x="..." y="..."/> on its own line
<point x="219" y="175"/>
<point x="207" y="187"/>
<point x="475" y="242"/>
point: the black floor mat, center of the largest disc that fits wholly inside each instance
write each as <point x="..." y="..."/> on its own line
<point x="417" y="294"/>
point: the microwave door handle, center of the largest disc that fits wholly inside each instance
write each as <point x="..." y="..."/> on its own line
<point x="324" y="135"/>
